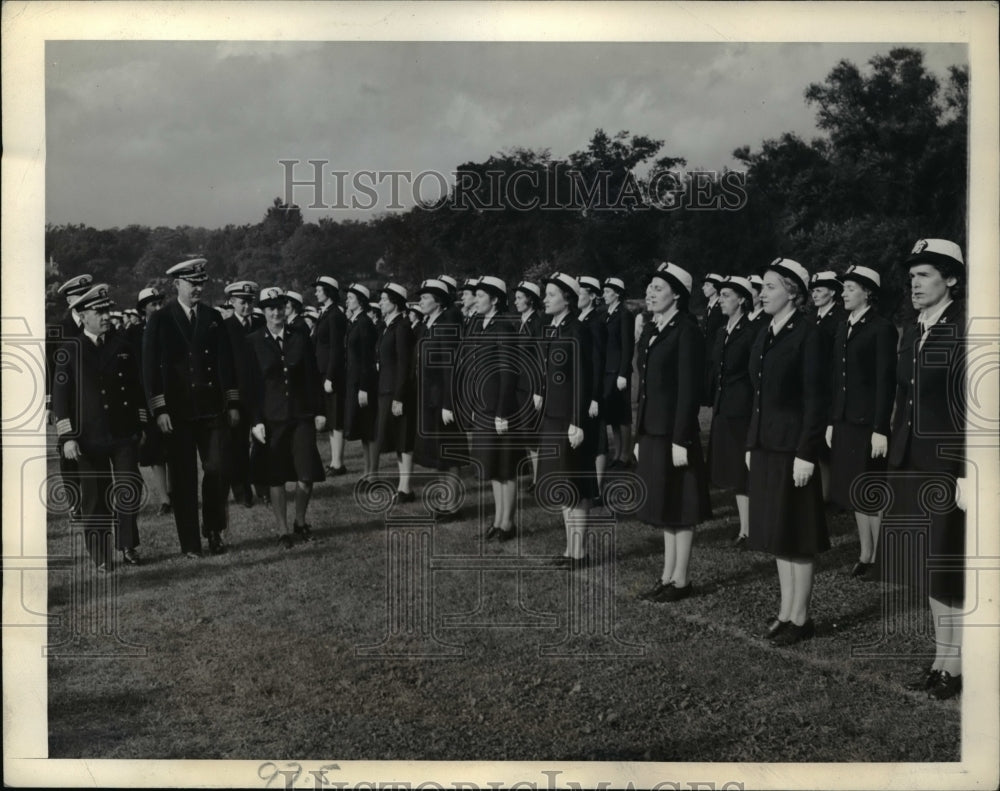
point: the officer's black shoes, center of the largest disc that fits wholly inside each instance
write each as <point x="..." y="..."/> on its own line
<point x="793" y="633"/>
<point x="131" y="557"/>
<point x="656" y="592"/>
<point x="302" y="531"/>
<point x="285" y="541"/>
<point x="341" y="470"/>
<point x="505" y="534"/>
<point x="215" y="544"/>
<point x="946" y="686"/>
<point x="860" y="569"/>
<point x="776" y="627"/>
<point x="403" y="497"/>
<point x="925" y="681"/>
<point x="740" y="543"/>
<point x="165" y="509"/>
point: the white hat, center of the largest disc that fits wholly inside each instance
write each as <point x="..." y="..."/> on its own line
<point x="757" y="282"/>
<point x="792" y="269"/>
<point x="361" y="292"/>
<point x="529" y="288"/>
<point x="714" y="279"/>
<point x="739" y="284"/>
<point x="616" y="283"/>
<point x="863" y="275"/>
<point x="294" y="296"/>
<point x="326" y="280"/>
<point x="936" y="251"/>
<point x="436" y="287"/>
<point x="450" y="281"/>
<point x="192" y="270"/>
<point x="470" y="284"/>
<point x="590" y="282"/>
<point x="80" y="284"/>
<point x="564" y="281"/>
<point x="148" y="295"/>
<point x="396" y="290"/>
<point x="492" y="285"/>
<point x="95" y="298"/>
<point x="271" y="295"/>
<point x="242" y="288"/>
<point x="676" y="276"/>
<point x="827" y="279"/>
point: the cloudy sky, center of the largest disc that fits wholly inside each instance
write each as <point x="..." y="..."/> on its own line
<point x="175" y="133"/>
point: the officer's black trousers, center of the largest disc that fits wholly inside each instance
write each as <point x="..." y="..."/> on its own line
<point x="207" y="438"/>
<point x="239" y="460"/>
<point x="111" y="488"/>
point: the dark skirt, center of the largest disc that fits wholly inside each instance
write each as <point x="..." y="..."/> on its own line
<point x="289" y="454"/>
<point x="359" y="421"/>
<point x="526" y="422"/>
<point x="785" y="520"/>
<point x="727" y="445"/>
<point x="153" y="451"/>
<point x="850" y="458"/>
<point x="437" y="446"/>
<point x="496" y="456"/>
<point x="673" y="496"/>
<point x="395" y="434"/>
<point x="922" y="543"/>
<point x="573" y="476"/>
<point x="333" y="404"/>
<point x="617" y="408"/>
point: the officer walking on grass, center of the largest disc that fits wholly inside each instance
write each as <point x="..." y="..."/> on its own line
<point x="191" y="386"/>
<point x="100" y="417"/>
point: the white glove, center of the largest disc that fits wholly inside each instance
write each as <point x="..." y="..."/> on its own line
<point x="621" y="383"/>
<point x="397" y="408"/>
<point x="362" y="398"/>
<point x="500" y="424"/>
<point x="680" y="454"/>
<point x="575" y="436"/>
<point x="328" y="386"/>
<point x="746" y="459"/>
<point x="320" y="422"/>
<point x="259" y="433"/>
<point x="594" y="409"/>
<point x="829" y="436"/>
<point x="880" y="445"/>
<point x="635" y="452"/>
<point x="447" y="417"/>
<point x="538" y="401"/>
<point x="802" y="471"/>
<point x="71" y="450"/>
<point x="961" y="484"/>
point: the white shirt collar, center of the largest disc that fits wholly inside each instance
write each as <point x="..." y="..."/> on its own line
<point x="777" y="325"/>
<point x="527" y="315"/>
<point x="389" y="322"/>
<point x="429" y="320"/>
<point x="586" y="312"/>
<point x="821" y="312"/>
<point x="186" y="308"/>
<point x="855" y="318"/>
<point x="662" y="320"/>
<point x="932" y="316"/>
<point x="558" y="319"/>
<point x="733" y="321"/>
<point x="712" y="300"/>
<point x="91" y="335"/>
<point x="280" y="334"/>
<point x="755" y="312"/>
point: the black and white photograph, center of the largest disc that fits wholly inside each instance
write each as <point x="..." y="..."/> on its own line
<point x="490" y="395"/>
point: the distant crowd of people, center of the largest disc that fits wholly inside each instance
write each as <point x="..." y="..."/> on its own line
<point x="534" y="381"/>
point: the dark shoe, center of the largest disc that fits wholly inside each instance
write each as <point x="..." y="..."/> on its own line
<point x="493" y="532"/>
<point x="860" y="569"/>
<point x="215" y="543"/>
<point x="672" y="593"/>
<point x="655" y="592"/>
<point x="561" y="561"/>
<point x="303" y="531"/>
<point x="946" y="686"/>
<point x="576" y="564"/>
<point x="131" y="557"/>
<point x="403" y="497"/>
<point x="777" y="627"/>
<point x="286" y="541"/>
<point x="927" y="679"/>
<point x="793" y="633"/>
<point x="617" y="464"/>
<point x="341" y="470"/>
<point x="505" y="535"/>
<point x="193" y="555"/>
<point x="165" y="509"/>
<point x="740" y="543"/>
<point x="248" y="501"/>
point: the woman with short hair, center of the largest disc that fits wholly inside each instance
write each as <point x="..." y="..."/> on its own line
<point x="360" y="389"/>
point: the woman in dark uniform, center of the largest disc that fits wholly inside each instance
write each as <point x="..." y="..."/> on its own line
<point x="528" y="304"/>
<point x="864" y="370"/>
<point x="286" y="411"/>
<point x="732" y="396"/>
<point x="360" y="374"/>
<point x="671" y="363"/>
<point x="927" y="448"/>
<point x="564" y="403"/>
<point x="153" y="452"/>
<point x="617" y="390"/>
<point x="825" y="291"/>
<point x="594" y="427"/>
<point x="331" y="327"/>
<point x="487" y="376"/>
<point x="757" y="312"/>
<point x="788" y="372"/>
<point x="396" y="421"/>
<point x="437" y="340"/>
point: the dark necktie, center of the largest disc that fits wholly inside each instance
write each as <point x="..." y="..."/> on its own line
<point x="100" y="341"/>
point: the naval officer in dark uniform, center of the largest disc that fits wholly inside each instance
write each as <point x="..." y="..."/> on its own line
<point x="62" y="339"/>
<point x="241" y="295"/>
<point x="98" y="403"/>
<point x="191" y="388"/>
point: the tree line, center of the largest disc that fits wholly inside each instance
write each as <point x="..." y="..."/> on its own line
<point x="889" y="167"/>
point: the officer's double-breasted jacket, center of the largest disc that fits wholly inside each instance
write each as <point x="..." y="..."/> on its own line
<point x="791" y="389"/>
<point x="671" y="363"/>
<point x="436" y="352"/>
<point x="97" y="396"/>
<point x="188" y="368"/>
<point x="729" y="369"/>
<point x="864" y="372"/>
<point x="928" y="425"/>
<point x="284" y="382"/>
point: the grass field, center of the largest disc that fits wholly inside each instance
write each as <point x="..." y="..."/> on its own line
<point x="255" y="653"/>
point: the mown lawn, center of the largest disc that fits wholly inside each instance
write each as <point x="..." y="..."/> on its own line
<point x="256" y="652"/>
